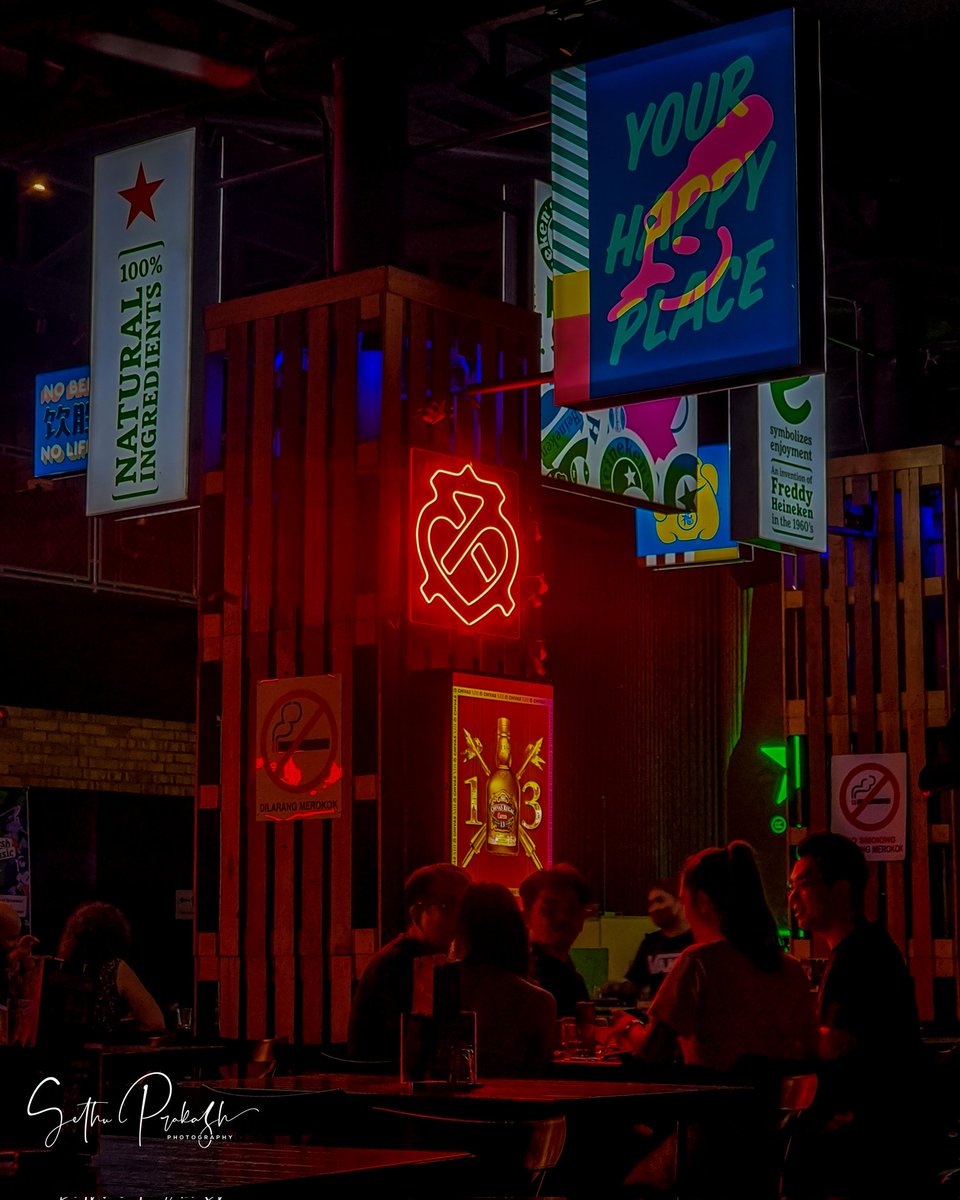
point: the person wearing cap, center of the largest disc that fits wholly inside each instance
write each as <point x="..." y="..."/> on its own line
<point x="431" y="898"/>
<point x="555" y="902"/>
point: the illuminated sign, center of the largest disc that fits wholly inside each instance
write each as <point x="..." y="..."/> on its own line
<point x="466" y="553"/>
<point x="62" y="422"/>
<point x="501" y="816"/>
<point x="140" y="325"/>
<point x="687" y="231"/>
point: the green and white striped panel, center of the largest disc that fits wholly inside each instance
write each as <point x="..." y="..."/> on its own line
<point x="571" y="175"/>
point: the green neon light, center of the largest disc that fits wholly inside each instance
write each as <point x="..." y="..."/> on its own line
<point x="778" y="755"/>
<point x="778" y="824"/>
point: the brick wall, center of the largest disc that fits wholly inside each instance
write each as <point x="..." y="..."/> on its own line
<point x="42" y="748"/>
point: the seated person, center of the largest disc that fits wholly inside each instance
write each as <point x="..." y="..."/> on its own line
<point x="734" y="997"/>
<point x="661" y="948"/>
<point x="431" y="897"/>
<point x="516" y="1020"/>
<point x="554" y="907"/>
<point x="865" y="1132"/>
<point x="94" y="942"/>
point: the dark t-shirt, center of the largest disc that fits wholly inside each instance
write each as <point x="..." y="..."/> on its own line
<point x="656" y="955"/>
<point x="881" y="1080"/>
<point x="384" y="992"/>
<point x="561" y="979"/>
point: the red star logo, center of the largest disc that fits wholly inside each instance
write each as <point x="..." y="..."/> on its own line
<point x="140" y="197"/>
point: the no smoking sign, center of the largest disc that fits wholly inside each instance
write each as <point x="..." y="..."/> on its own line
<point x="870" y="802"/>
<point x="298" y="748"/>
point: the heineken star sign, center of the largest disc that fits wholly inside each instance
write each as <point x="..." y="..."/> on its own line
<point x="687" y="230"/>
<point x="140" y="325"/>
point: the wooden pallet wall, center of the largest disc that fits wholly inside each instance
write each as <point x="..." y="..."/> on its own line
<point x="873" y="665"/>
<point x="303" y="531"/>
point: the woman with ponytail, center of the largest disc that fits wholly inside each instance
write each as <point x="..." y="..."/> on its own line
<point x="734" y="994"/>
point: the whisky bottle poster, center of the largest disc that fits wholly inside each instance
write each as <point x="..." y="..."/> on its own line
<point x="501" y="777"/>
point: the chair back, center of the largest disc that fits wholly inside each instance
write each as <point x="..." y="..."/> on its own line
<point x="511" y="1157"/>
<point x="253" y="1059"/>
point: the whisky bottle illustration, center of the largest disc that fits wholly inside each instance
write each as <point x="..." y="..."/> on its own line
<point x="503" y="798"/>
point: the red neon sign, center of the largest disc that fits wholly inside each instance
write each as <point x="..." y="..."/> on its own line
<point x="466" y="553"/>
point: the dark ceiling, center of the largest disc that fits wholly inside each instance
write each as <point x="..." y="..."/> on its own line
<point x="78" y="78"/>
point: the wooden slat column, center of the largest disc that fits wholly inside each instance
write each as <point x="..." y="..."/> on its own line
<point x="886" y="639"/>
<point x="304" y="529"/>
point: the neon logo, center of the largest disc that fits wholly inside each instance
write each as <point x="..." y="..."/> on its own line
<point x="466" y="546"/>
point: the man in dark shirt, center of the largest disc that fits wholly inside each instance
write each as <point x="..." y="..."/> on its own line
<point x="431" y="898"/>
<point x="868" y="1131"/>
<point x="660" y="949"/>
<point x="554" y="906"/>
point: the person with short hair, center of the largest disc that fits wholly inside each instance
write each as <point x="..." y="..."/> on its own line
<point x="95" y="941"/>
<point x="431" y="898"/>
<point x="516" y="1020"/>
<point x="867" y="1131"/>
<point x="660" y="948"/>
<point x="555" y="902"/>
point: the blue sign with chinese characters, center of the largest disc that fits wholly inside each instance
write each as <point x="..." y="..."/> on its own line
<point x="62" y="422"/>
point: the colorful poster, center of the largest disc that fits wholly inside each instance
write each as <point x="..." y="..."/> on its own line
<point x="15" y="853"/>
<point x="140" y="325"/>
<point x="639" y="452"/>
<point x="62" y="421"/>
<point x="678" y="216"/>
<point x="501" y="782"/>
<point x="701" y="533"/>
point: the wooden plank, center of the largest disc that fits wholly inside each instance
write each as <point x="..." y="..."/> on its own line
<point x="315" y="490"/>
<point x="231" y="742"/>
<point x="891" y="460"/>
<point x="235" y="509"/>
<point x="865" y="688"/>
<point x="915" y="703"/>
<point x="259" y="584"/>
<point x="312" y="973"/>
<point x="341" y="988"/>
<point x="951" y="600"/>
<point x="888" y="702"/>
<point x="420" y="433"/>
<point x="838" y="703"/>
<point x="295" y="299"/>
<point x="342" y="583"/>
<point x="817" y="765"/>
<point x="229" y="997"/>
<point x="316" y="560"/>
<point x="288" y="480"/>
<point x="469" y="306"/>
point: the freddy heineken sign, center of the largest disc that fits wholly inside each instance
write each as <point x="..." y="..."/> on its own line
<point x="140" y="338"/>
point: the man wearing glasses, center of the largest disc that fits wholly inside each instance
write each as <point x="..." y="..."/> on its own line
<point x="431" y="897"/>
<point x="867" y="1134"/>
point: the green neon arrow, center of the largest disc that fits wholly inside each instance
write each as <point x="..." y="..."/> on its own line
<point x="778" y="754"/>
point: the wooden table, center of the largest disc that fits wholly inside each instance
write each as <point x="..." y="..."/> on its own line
<point x="161" y="1168"/>
<point x="600" y="1114"/>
